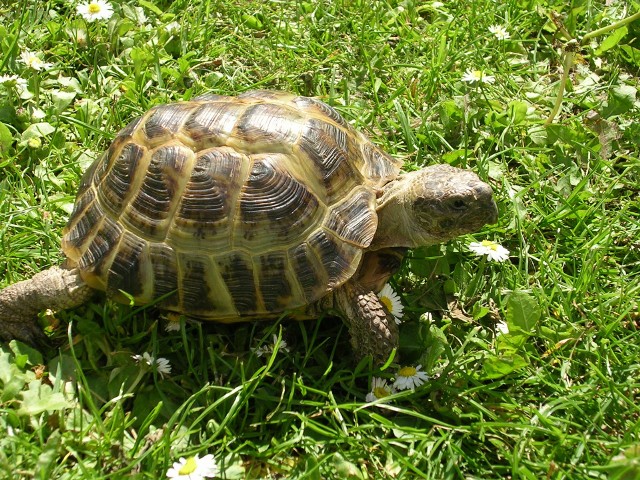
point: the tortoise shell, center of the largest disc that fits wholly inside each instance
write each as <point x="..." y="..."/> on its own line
<point x="229" y="207"/>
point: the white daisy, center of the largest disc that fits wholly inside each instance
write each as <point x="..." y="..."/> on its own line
<point x="391" y="301"/>
<point x="379" y="389"/>
<point x="500" y="32"/>
<point x="95" y="10"/>
<point x="477" y="76"/>
<point x="502" y="328"/>
<point x="13" y="81"/>
<point x="410" y="378"/>
<point x="268" y="349"/>
<point x="494" y="251"/>
<point x="173" y="27"/>
<point x="173" y="323"/>
<point x="32" y="60"/>
<point x="194" y="468"/>
<point x="162" y="365"/>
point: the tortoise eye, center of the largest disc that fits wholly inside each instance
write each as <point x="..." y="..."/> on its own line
<point x="459" y="204"/>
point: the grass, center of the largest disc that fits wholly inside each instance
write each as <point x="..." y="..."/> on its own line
<point x="557" y="397"/>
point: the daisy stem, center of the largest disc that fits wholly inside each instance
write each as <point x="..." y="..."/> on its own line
<point x="608" y="28"/>
<point x="135" y="383"/>
<point x="569" y="55"/>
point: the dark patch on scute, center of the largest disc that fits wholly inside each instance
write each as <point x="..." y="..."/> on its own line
<point x="88" y="177"/>
<point x="165" y="274"/>
<point x="274" y="286"/>
<point x="80" y="223"/>
<point x="306" y="273"/>
<point x="195" y="290"/>
<point x="126" y="270"/>
<point x="237" y="272"/>
<point x="129" y="129"/>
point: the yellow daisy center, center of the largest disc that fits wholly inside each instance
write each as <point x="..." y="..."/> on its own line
<point x="386" y="301"/>
<point x="94" y="8"/>
<point x="189" y="467"/>
<point x="407" y="371"/>
<point x="380" y="392"/>
<point x="492" y="245"/>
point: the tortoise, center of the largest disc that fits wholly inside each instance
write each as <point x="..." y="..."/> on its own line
<point x="249" y="207"/>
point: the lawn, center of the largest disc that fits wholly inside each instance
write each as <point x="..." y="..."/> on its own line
<point x="533" y="359"/>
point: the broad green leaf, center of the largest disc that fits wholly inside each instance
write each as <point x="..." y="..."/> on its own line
<point x="6" y="140"/>
<point x="496" y="367"/>
<point x="435" y="344"/>
<point x="150" y="6"/>
<point x="631" y="54"/>
<point x="41" y="398"/>
<point x="611" y="41"/>
<point x="62" y="99"/>
<point x="621" y="100"/>
<point x="30" y="355"/>
<point x="523" y="312"/>
<point x="518" y="112"/>
<point x="252" y="22"/>
<point x="345" y="468"/>
<point x="37" y="130"/>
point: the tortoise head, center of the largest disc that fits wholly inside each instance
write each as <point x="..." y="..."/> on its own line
<point x="433" y="205"/>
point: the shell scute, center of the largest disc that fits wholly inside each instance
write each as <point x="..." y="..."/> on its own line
<point x="150" y="212"/>
<point x="273" y="202"/>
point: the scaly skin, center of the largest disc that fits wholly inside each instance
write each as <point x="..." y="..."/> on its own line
<point x="57" y="288"/>
<point x="373" y="330"/>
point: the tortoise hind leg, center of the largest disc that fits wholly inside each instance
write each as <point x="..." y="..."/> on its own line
<point x="57" y="288"/>
<point x="372" y="328"/>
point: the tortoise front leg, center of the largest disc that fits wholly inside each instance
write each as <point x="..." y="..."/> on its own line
<point x="57" y="288"/>
<point x="372" y="328"/>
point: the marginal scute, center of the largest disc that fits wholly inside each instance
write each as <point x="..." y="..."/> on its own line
<point x="275" y="288"/>
<point x="164" y="272"/>
<point x="339" y="259"/>
<point x="380" y="168"/>
<point x="309" y="272"/>
<point x="334" y="160"/>
<point x="196" y="292"/>
<point x="354" y="220"/>
<point x="96" y="258"/>
<point x="227" y="208"/>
